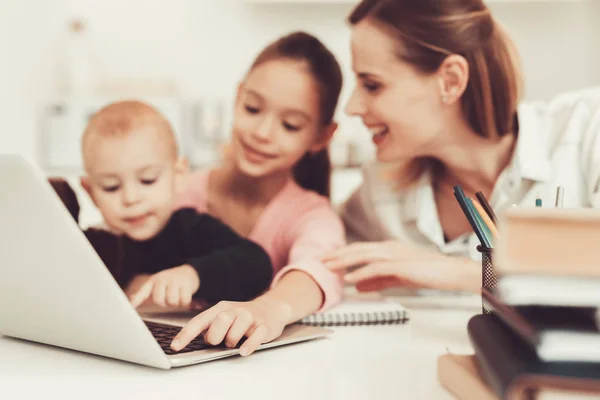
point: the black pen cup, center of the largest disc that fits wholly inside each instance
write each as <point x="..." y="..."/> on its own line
<point x="489" y="280"/>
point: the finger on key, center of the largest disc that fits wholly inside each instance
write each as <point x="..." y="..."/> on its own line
<point x="241" y="326"/>
<point x="219" y="328"/>
<point x="195" y="327"/>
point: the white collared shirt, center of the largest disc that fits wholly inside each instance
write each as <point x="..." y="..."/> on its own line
<point x="558" y="144"/>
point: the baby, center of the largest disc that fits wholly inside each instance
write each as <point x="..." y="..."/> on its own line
<point x="132" y="166"/>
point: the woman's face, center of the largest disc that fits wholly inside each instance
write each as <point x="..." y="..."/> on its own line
<point x="277" y="118"/>
<point x="401" y="106"/>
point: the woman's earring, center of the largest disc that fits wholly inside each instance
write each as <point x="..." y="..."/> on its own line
<point x="445" y="99"/>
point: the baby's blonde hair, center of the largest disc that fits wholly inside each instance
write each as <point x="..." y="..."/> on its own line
<point x="121" y="118"/>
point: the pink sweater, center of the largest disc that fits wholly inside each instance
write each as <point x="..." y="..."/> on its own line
<point x="295" y="229"/>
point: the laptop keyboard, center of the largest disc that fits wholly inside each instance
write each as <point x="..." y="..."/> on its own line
<point x="164" y="335"/>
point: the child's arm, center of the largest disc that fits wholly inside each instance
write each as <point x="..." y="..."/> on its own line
<point x="231" y="267"/>
<point x="221" y="265"/>
<point x="304" y="287"/>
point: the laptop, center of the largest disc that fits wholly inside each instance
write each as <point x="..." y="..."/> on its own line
<point x="54" y="288"/>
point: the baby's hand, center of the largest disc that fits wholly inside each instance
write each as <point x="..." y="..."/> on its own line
<point x="172" y="287"/>
<point x="136" y="283"/>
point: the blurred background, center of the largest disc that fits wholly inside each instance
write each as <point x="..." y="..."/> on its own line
<point x="62" y="59"/>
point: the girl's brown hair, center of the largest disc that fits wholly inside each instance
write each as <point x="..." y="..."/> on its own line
<point x="313" y="171"/>
<point x="430" y="30"/>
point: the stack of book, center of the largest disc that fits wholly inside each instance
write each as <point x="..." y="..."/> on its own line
<point x="542" y="338"/>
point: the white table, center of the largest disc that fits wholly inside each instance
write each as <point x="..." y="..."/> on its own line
<point x="382" y="362"/>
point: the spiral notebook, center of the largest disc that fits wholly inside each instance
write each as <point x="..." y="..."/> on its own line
<point x="360" y="310"/>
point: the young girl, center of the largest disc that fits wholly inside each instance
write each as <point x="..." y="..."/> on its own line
<point x="273" y="188"/>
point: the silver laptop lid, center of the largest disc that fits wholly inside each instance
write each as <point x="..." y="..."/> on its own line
<point x="54" y="288"/>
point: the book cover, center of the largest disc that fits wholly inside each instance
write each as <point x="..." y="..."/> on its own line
<point x="556" y="333"/>
<point x="512" y="369"/>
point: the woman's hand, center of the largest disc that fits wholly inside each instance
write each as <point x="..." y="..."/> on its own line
<point x="394" y="263"/>
<point x="260" y="321"/>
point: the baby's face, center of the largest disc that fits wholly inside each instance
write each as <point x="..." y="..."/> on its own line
<point x="132" y="181"/>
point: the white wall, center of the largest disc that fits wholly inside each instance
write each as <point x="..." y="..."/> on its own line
<point x="559" y="44"/>
<point x="206" y="45"/>
<point x="28" y="31"/>
<point x="594" y="15"/>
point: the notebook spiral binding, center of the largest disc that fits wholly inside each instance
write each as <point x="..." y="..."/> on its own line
<point x="353" y="319"/>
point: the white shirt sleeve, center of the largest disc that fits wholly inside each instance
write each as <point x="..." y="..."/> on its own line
<point x="590" y="160"/>
<point x="358" y="214"/>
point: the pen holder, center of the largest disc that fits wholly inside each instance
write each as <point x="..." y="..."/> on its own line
<point x="489" y="280"/>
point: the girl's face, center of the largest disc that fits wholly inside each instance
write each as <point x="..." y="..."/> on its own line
<point x="277" y="118"/>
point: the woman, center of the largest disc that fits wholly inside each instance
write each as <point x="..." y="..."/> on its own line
<point x="273" y="188"/>
<point x="438" y="86"/>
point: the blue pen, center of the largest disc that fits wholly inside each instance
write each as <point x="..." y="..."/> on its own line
<point x="471" y="218"/>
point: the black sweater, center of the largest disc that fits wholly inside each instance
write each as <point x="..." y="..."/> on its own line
<point x="229" y="266"/>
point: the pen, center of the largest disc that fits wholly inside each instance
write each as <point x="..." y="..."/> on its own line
<point x="467" y="210"/>
<point x="486" y="206"/>
<point x="485" y="217"/>
<point x="559" y="196"/>
<point x="485" y="230"/>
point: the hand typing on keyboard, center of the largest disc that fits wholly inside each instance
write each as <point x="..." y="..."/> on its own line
<point x="164" y="335"/>
<point x="260" y="321"/>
